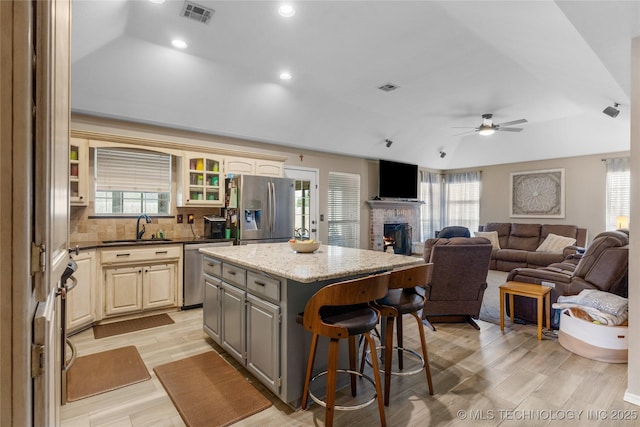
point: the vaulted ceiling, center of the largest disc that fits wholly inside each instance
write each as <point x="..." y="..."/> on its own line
<point x="556" y="63"/>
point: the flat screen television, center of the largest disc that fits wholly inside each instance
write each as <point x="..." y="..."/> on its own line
<point x="397" y="180"/>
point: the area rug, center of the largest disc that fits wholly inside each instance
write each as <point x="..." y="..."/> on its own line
<point x="207" y="391"/>
<point x="117" y="328"/>
<point x="105" y="371"/>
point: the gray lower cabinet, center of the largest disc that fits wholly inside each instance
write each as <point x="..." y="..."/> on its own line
<point x="212" y="304"/>
<point x="263" y="338"/>
<point x="242" y="314"/>
<point x="233" y="334"/>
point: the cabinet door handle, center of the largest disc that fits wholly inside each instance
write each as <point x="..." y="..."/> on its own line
<point x="233" y="273"/>
<point x="160" y="252"/>
<point x="259" y="283"/>
<point x="123" y="254"/>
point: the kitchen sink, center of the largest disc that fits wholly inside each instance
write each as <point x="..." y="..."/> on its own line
<point x="136" y="241"/>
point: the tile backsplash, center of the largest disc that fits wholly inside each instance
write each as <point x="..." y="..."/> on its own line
<point x="84" y="228"/>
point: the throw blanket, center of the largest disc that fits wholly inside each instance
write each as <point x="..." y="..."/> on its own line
<point x="603" y="307"/>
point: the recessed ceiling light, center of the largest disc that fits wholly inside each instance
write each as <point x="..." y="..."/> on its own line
<point x="180" y="44"/>
<point x="286" y="10"/>
<point x="157" y="1"/>
<point x="285" y="75"/>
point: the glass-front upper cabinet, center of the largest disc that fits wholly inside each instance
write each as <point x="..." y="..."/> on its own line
<point x="78" y="171"/>
<point x="202" y="180"/>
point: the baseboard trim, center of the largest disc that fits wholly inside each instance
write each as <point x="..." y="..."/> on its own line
<point x="632" y="398"/>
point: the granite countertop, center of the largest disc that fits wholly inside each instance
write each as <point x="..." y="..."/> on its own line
<point x="328" y="262"/>
<point x="100" y="244"/>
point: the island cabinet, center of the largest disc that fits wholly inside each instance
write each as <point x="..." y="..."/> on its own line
<point x="140" y="279"/>
<point x="82" y="299"/>
<point x="242" y="314"/>
<point x="254" y="295"/>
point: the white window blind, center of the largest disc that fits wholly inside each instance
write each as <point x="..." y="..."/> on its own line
<point x="618" y="193"/>
<point x="132" y="170"/>
<point x="344" y="209"/>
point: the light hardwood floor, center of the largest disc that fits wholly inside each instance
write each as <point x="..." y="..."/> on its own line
<point x="481" y="377"/>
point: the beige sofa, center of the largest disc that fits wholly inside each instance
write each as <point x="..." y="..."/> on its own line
<point x="517" y="244"/>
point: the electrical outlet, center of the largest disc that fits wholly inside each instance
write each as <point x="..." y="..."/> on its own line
<point x="179" y="218"/>
<point x="189" y="218"/>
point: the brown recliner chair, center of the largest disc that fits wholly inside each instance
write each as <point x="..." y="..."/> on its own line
<point x="459" y="279"/>
<point x="603" y="266"/>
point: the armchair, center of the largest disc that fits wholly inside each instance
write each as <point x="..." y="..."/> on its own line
<point x="459" y="279"/>
<point x="603" y="266"/>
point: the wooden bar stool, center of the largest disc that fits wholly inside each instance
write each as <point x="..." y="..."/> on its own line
<point x="342" y="311"/>
<point x="403" y="298"/>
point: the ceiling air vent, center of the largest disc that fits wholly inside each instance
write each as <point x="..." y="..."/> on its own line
<point x="196" y="12"/>
<point x="388" y="87"/>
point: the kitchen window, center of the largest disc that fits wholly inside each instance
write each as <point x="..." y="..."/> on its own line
<point x="132" y="181"/>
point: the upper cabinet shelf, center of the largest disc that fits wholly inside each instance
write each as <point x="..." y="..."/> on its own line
<point x="202" y="181"/>
<point x="78" y="171"/>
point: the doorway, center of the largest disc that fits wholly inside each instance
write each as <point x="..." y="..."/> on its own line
<point x="306" y="201"/>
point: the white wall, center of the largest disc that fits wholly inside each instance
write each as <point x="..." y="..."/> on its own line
<point x="633" y="373"/>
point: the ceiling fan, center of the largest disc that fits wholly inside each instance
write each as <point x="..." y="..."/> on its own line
<point x="489" y="128"/>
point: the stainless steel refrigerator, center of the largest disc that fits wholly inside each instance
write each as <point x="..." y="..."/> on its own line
<point x="260" y="209"/>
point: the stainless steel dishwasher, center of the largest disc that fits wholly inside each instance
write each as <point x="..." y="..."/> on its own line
<point x="192" y="280"/>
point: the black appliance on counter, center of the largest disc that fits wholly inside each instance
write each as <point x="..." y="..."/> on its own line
<point x="214" y="227"/>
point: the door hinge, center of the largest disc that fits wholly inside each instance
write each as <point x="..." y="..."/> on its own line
<point x="38" y="258"/>
<point x="279" y="382"/>
<point x="37" y="360"/>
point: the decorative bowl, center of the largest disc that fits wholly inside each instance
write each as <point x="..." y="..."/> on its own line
<point x="304" y="246"/>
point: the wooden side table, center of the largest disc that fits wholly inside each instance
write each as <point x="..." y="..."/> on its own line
<point x="530" y="290"/>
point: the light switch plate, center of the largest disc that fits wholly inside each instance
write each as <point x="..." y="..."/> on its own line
<point x="179" y="218"/>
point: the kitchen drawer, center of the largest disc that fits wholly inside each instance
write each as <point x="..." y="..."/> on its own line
<point x="234" y="275"/>
<point x="212" y="267"/>
<point x="263" y="286"/>
<point x="134" y="255"/>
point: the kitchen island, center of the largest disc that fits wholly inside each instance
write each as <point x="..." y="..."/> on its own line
<point x="254" y="293"/>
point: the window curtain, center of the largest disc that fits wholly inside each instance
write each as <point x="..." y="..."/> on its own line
<point x="461" y="199"/>
<point x="430" y="193"/>
<point x="343" y="214"/>
<point x="618" y="193"/>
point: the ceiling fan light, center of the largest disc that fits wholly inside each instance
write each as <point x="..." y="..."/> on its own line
<point x="486" y="130"/>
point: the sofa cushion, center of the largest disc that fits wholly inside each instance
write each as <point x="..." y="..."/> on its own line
<point x="555" y="244"/>
<point x="559" y="230"/>
<point x="513" y="255"/>
<point x="503" y="229"/>
<point x="543" y="259"/>
<point x="491" y="235"/>
<point x="525" y="237"/>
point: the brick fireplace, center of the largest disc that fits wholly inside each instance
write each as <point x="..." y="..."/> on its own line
<point x="393" y="213"/>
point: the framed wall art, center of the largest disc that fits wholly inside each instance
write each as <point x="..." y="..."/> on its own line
<point x="537" y="194"/>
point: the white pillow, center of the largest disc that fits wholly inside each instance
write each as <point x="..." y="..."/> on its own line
<point x="491" y="235"/>
<point x="555" y="244"/>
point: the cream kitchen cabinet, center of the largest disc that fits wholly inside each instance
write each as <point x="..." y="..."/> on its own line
<point x="239" y="166"/>
<point x="140" y="279"/>
<point x="269" y="168"/>
<point x="78" y="172"/>
<point x="249" y="166"/>
<point x="83" y="298"/>
<point x="201" y="181"/>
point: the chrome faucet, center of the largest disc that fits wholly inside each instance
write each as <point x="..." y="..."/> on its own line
<point x="139" y="232"/>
